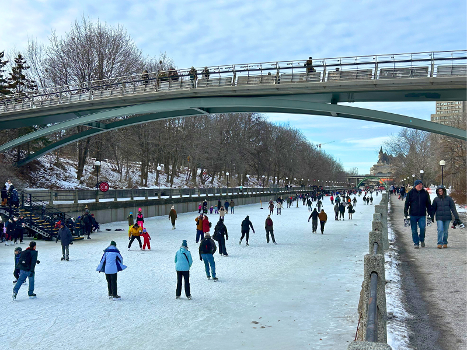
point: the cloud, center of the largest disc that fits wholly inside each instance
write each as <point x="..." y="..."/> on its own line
<point x="369" y="143"/>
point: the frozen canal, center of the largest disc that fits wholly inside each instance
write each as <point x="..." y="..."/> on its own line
<point x="299" y="294"/>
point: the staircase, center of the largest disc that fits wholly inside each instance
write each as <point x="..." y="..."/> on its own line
<point x="39" y="217"/>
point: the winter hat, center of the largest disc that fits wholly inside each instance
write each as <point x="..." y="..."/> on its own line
<point x="172" y="207"/>
<point x="184" y="243"/>
<point x="144" y="230"/>
<point x="139" y="209"/>
<point x="131" y="213"/>
<point x="206" y="234"/>
<point x="18" y="249"/>
<point x="417" y="182"/>
<point x="113" y="243"/>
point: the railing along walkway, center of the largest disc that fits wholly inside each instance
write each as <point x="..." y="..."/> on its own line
<point x="376" y="67"/>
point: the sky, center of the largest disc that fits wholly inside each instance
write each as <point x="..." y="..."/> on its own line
<point x="217" y="32"/>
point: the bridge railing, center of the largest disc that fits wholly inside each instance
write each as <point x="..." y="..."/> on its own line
<point x="374" y="67"/>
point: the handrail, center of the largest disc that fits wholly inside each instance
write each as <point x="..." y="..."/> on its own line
<point x="152" y="82"/>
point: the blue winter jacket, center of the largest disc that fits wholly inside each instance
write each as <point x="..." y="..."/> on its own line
<point x="111" y="262"/>
<point x="183" y="260"/>
<point x="443" y="206"/>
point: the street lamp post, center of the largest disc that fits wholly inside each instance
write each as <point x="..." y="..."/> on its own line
<point x="263" y="181"/>
<point x="413" y="179"/>
<point x="421" y="175"/>
<point x="97" y="164"/>
<point x="442" y="163"/>
<point x="158" y="178"/>
<point x="227" y="175"/>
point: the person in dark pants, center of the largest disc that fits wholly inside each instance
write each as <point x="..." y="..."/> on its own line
<point x="417" y="205"/>
<point x="86" y="219"/>
<point x="66" y="239"/>
<point x="111" y="263"/>
<point x="135" y="233"/>
<point x="268" y="226"/>
<point x="183" y="262"/>
<point x="246" y="224"/>
<point x="341" y="211"/>
<point x="314" y="216"/>
<point x="220" y="232"/>
<point x="26" y="265"/>
<point x="322" y="220"/>
<point x="199" y="227"/>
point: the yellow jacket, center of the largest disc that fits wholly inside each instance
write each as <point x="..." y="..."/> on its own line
<point x="135" y="231"/>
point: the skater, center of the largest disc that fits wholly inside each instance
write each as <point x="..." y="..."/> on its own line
<point x="199" y="208"/>
<point x="221" y="213"/>
<point x="341" y="211"/>
<point x="205" y="206"/>
<point x="147" y="239"/>
<point x="364" y="199"/>
<point x="417" y="205"/>
<point x="26" y="266"/>
<point x="371" y="199"/>
<point x="246" y="224"/>
<point x="314" y="216"/>
<point x="207" y="248"/>
<point x="350" y="211"/>
<point x="111" y="263"/>
<point x="268" y="226"/>
<point x="367" y="200"/>
<point x="183" y="262"/>
<point x="232" y="206"/>
<point x="66" y="239"/>
<point x="199" y="227"/>
<point x="173" y="216"/>
<point x="319" y="204"/>
<point x="226" y="206"/>
<point x="10" y="231"/>
<point x="354" y="201"/>
<point x="443" y="206"/>
<point x="336" y="211"/>
<point x="140" y="218"/>
<point x="271" y="207"/>
<point x="322" y="220"/>
<point x="206" y="225"/>
<point x="221" y="235"/>
<point x="211" y="209"/>
<point x="18" y="251"/>
<point x="279" y="208"/>
<point x="135" y="233"/>
<point x="332" y="199"/>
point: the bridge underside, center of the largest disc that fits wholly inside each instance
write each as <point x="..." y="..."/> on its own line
<point x="145" y="112"/>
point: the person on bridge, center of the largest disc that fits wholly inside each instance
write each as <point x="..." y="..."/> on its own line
<point x="442" y="207"/>
<point x="322" y="220"/>
<point x="140" y="218"/>
<point x="135" y="233"/>
<point x="314" y="216"/>
<point x="246" y="224"/>
<point x="66" y="239"/>
<point x="309" y="65"/>
<point x="417" y="205"/>
<point x="173" y="216"/>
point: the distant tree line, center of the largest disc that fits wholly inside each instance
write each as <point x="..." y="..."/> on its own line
<point x="209" y="146"/>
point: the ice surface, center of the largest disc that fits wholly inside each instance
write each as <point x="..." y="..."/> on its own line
<point x="301" y="293"/>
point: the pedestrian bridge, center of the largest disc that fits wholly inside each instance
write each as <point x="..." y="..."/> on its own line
<point x="313" y="87"/>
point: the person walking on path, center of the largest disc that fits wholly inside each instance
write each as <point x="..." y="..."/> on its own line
<point x="221" y="235"/>
<point x="135" y="233"/>
<point x="140" y="218"/>
<point x="111" y="263"/>
<point x="183" y="262"/>
<point x="66" y="239"/>
<point x="131" y="220"/>
<point x="207" y="248"/>
<point x="173" y="216"/>
<point x="221" y="213"/>
<point x="314" y="216"/>
<point x="442" y="207"/>
<point x="322" y="220"/>
<point x="417" y="205"/>
<point x="279" y="208"/>
<point x="232" y="206"/>
<point x="147" y="239"/>
<point x="26" y="265"/>
<point x="199" y="227"/>
<point x="268" y="226"/>
<point x="246" y="224"/>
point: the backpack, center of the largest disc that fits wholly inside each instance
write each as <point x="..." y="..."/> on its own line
<point x="216" y="235"/>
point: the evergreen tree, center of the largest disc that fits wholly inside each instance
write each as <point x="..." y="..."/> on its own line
<point x="3" y="82"/>
<point x="19" y="83"/>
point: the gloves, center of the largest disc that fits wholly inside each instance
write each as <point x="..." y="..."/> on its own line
<point x="129" y="238"/>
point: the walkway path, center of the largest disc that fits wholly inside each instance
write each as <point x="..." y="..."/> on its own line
<point x="435" y="285"/>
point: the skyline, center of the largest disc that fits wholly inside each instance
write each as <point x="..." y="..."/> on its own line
<point x="234" y="32"/>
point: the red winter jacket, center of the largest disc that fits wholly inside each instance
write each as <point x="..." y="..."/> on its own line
<point x="206" y="224"/>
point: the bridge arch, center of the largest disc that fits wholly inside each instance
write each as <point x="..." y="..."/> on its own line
<point x="373" y="178"/>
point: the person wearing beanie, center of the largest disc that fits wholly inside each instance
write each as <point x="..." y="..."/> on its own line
<point x="140" y="218"/>
<point x="442" y="207"/>
<point x="323" y="218"/>
<point x="131" y="220"/>
<point x="246" y="224"/>
<point x="314" y="218"/>
<point x="66" y="239"/>
<point x="173" y="216"/>
<point x="146" y="238"/>
<point x="26" y="266"/>
<point x="133" y="234"/>
<point x="207" y="248"/>
<point x="18" y="251"/>
<point x="111" y="263"/>
<point x="183" y="262"/>
<point x="417" y="205"/>
<point x="221" y="235"/>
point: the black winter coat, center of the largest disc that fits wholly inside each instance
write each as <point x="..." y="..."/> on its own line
<point x="442" y="208"/>
<point x="27" y="260"/>
<point x="417" y="203"/>
<point x="207" y="246"/>
<point x="246" y="223"/>
<point x="64" y="235"/>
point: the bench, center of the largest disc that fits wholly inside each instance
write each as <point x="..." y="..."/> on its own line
<point x="442" y="71"/>
<point x="359" y="74"/>
<point x="397" y="73"/>
<point x="214" y="82"/>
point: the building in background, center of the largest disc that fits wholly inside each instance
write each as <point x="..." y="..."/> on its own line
<point x="448" y="112"/>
